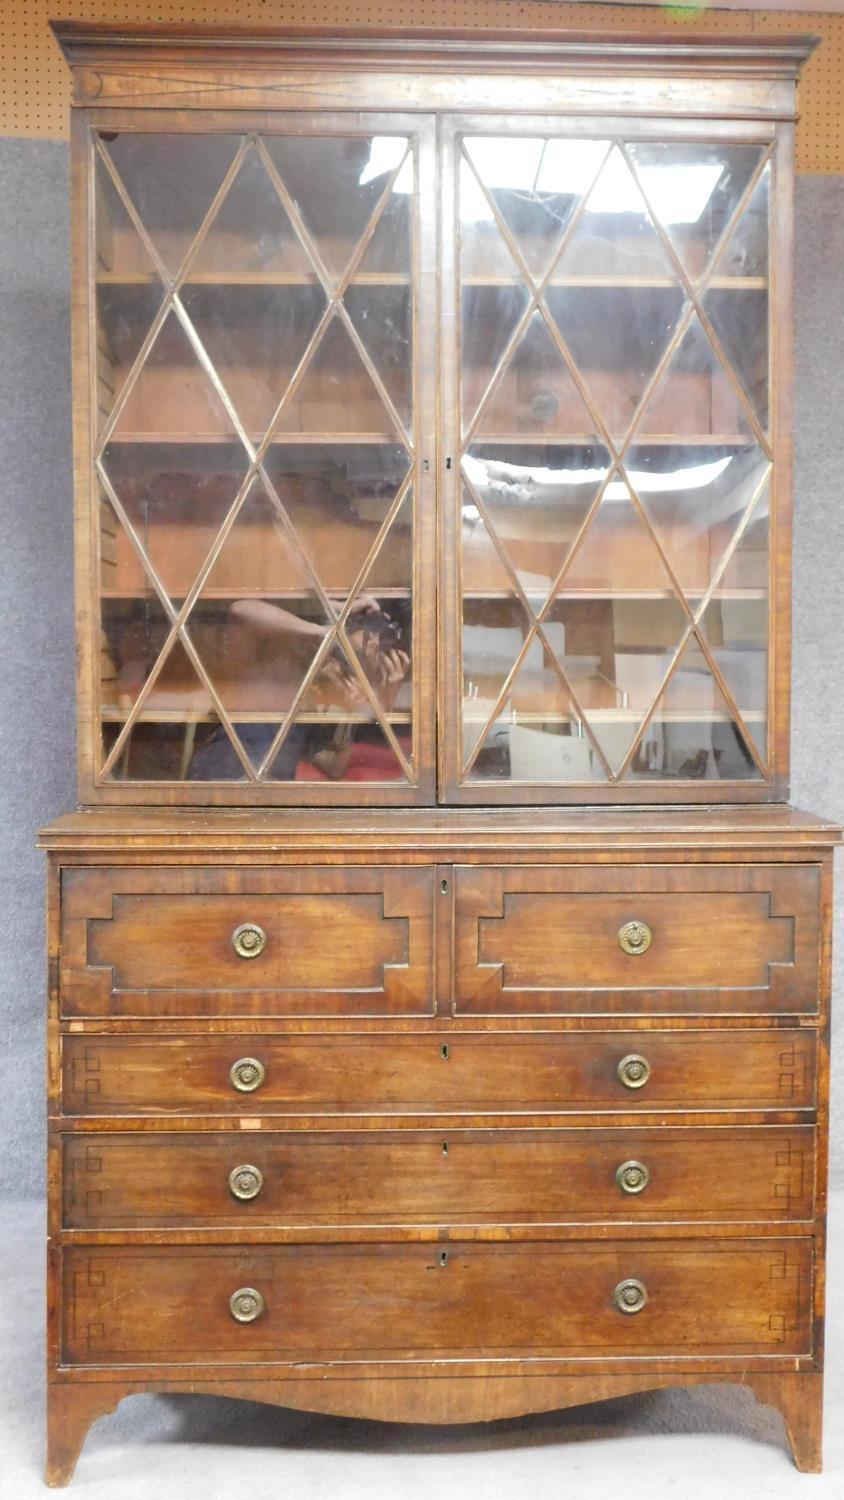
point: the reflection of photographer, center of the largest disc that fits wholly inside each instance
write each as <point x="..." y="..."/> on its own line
<point x="280" y="646"/>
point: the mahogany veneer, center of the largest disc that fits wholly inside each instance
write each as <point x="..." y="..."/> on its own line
<point x="380" y="1083"/>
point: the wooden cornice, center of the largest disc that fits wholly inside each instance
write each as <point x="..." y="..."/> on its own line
<point x="93" y="45"/>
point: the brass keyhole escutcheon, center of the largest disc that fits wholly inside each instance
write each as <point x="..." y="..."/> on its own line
<point x="245" y="1182"/>
<point x="633" y="1071"/>
<point x="245" y="1305"/>
<point x="247" y="1074"/>
<point x="632" y="1176"/>
<point x="630" y="1296"/>
<point x="249" y="940"/>
<point x="635" y="937"/>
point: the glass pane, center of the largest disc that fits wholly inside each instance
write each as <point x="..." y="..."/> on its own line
<point x="172" y="181"/>
<point x="337" y="393"/>
<point x="615" y="296"/>
<point x="536" y="394"/>
<point x="694" y="190"/>
<point x="337" y="498"/>
<point x="348" y="752"/>
<point x="383" y="317"/>
<point x="536" y="185"/>
<point x="620" y="620"/>
<point x="178" y="709"/>
<point x="172" y="396"/>
<point x="536" y="499"/>
<point x="617" y="336"/>
<point x="176" y="498"/>
<point x="695" y="498"/>
<point x="615" y="235"/>
<point x="251" y="236"/>
<point x="622" y="546"/>
<point x="692" y="734"/>
<point x="495" y="628"/>
<point x="255" y="649"/>
<point x="735" y="624"/>
<point x="737" y="301"/>
<point x="746" y="251"/>
<point x="538" y="736"/>
<point x="694" y="395"/>
<point x="273" y="567"/>
<point x="255" y="336"/>
<point x="336" y="183"/>
<point x="129" y="292"/>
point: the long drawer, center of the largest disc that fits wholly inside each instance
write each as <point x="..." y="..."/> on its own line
<point x="294" y="941"/>
<point x="141" y="1180"/>
<point x="467" y="1073"/>
<point x="670" y="939"/>
<point x="405" y="1301"/>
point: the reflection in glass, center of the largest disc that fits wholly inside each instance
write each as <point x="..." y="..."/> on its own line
<point x="692" y="734"/>
<point x="694" y="189"/>
<point x="537" y="499"/>
<point x="336" y="183"/>
<point x="536" y="185"/>
<point x="696" y="498"/>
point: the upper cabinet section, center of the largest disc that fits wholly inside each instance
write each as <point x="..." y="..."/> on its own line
<point x="256" y="457"/>
<point x="616" y="457"/>
<point x="432" y="417"/>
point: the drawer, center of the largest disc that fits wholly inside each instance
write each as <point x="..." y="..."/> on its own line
<point x="660" y="939"/>
<point x="142" y="1181"/>
<point x="467" y="1073"/>
<point x="408" y="1302"/>
<point x="231" y="942"/>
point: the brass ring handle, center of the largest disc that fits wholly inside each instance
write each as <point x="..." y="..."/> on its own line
<point x="632" y="1176"/>
<point x="630" y="1296"/>
<point x="635" y="937"/>
<point x="245" y="1305"/>
<point x="245" y="1182"/>
<point x="247" y="1074"/>
<point x="633" y="1071"/>
<point x="249" y="940"/>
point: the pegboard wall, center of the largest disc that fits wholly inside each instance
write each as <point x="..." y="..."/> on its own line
<point x="34" y="81"/>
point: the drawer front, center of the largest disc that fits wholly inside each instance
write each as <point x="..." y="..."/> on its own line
<point x="629" y="938"/>
<point x="465" y="1074"/>
<point x="276" y="942"/>
<point x="412" y="1301"/>
<point x="143" y="1181"/>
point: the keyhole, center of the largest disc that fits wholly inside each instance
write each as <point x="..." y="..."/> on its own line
<point x="445" y="1053"/>
<point x="443" y="1257"/>
<point x="445" y="1148"/>
<point x="444" y="887"/>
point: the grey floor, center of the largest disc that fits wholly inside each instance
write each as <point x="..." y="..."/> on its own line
<point x="715" y="1442"/>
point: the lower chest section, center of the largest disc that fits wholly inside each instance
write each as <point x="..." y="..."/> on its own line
<point x="393" y="1111"/>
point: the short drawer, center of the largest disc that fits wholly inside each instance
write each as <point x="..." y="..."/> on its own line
<point x="406" y="1302"/>
<point x="142" y="1181"/>
<point x="466" y="1073"/>
<point x="659" y="939"/>
<point x="231" y="942"/>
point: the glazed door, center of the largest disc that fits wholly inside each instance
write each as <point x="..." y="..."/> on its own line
<point x="263" y="306"/>
<point x="609" y="462"/>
